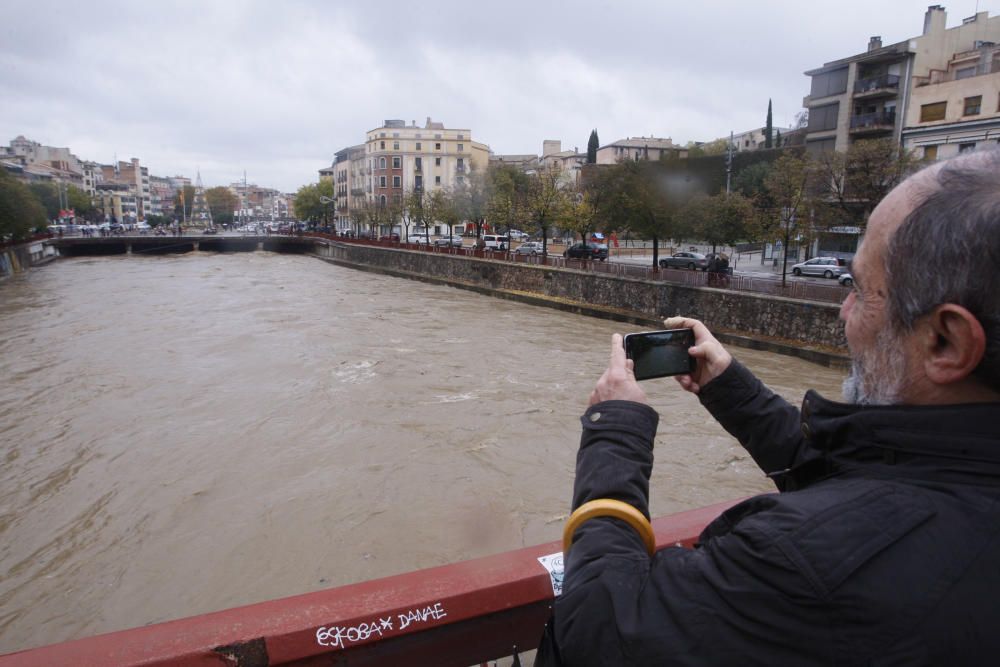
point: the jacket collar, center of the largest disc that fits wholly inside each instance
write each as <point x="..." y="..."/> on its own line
<point x="944" y="442"/>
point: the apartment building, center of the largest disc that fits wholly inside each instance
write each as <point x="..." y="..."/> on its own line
<point x="402" y="157"/>
<point x="956" y="109"/>
<point x="640" y="148"/>
<point x="349" y="184"/>
<point x="872" y="94"/>
<point x="751" y="140"/>
<point x="569" y="163"/>
<point x="134" y="176"/>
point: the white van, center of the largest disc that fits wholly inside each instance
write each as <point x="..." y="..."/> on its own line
<point x="495" y="242"/>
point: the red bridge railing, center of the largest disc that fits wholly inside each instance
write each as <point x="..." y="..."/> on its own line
<point x="460" y="614"/>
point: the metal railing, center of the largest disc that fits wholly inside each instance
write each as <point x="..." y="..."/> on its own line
<point x="872" y="84"/>
<point x="873" y="121"/>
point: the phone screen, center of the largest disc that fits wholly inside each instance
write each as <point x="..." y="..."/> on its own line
<point x="658" y="354"/>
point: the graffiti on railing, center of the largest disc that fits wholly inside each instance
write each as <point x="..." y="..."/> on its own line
<point x="339" y="637"/>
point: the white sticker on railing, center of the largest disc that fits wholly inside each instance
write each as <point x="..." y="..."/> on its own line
<point x="553" y="564"/>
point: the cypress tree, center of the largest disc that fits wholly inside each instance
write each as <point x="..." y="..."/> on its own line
<point x="592" y="145"/>
<point x="777" y="139"/>
<point x="767" y="127"/>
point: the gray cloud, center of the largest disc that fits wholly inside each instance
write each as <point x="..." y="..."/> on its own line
<point x="277" y="87"/>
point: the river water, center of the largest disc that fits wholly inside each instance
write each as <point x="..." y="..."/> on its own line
<point x="188" y="433"/>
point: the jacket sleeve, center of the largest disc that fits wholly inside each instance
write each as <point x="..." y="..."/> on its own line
<point x="765" y="424"/>
<point x="712" y="605"/>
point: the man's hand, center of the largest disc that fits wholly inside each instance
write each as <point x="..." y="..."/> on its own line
<point x="712" y="358"/>
<point x="618" y="382"/>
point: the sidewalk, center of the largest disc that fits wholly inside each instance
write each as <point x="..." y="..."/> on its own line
<point x="742" y="263"/>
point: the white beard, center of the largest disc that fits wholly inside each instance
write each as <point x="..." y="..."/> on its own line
<point x="878" y="374"/>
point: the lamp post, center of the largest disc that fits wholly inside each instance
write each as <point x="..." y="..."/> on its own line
<point x="323" y="199"/>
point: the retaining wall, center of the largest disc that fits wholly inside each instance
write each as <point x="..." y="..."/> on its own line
<point x="755" y="315"/>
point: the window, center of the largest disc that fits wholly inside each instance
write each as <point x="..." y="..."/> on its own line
<point x="395" y="134"/>
<point x="397" y="162"/>
<point x="382" y="144"/>
<point x="461" y="164"/>
<point x="395" y="145"/>
<point x="381" y="163"/>
<point x="829" y="83"/>
<point x="437" y="147"/>
<point x="973" y="105"/>
<point x="930" y="153"/>
<point x="418" y="164"/>
<point x="397" y="181"/>
<point x="437" y="162"/>
<point x="933" y="111"/>
<point x="965" y="72"/>
<point x="418" y="182"/>
<point x="382" y="200"/>
<point x="437" y="180"/>
<point x="461" y="147"/>
<point x="381" y="181"/>
<point x="824" y="118"/>
<point x="461" y="136"/>
<point x="418" y="145"/>
<point x="382" y="135"/>
<point x="814" y="148"/>
<point x="966" y="147"/>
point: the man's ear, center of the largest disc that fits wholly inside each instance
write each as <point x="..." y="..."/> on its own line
<point x="952" y="343"/>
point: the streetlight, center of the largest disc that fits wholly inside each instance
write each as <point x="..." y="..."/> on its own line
<point x="323" y="199"/>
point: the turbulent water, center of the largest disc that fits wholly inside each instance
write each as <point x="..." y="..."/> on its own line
<point x="188" y="433"/>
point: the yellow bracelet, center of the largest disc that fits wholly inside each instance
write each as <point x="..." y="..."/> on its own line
<point x="615" y="509"/>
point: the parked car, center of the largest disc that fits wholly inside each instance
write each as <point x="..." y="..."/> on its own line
<point x="454" y="241"/>
<point x="846" y="280"/>
<point x="529" y="248"/>
<point x="495" y="242"/>
<point x="419" y="240"/>
<point x="685" y="260"/>
<point x="828" y="267"/>
<point x="586" y="251"/>
<point x="389" y="237"/>
<point x="517" y="235"/>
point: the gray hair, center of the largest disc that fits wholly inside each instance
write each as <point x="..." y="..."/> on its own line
<point x="947" y="250"/>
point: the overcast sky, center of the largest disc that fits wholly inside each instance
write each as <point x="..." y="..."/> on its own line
<point x="276" y="88"/>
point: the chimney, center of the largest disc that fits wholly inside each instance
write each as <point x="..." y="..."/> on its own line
<point x="934" y="19"/>
<point x="875" y="43"/>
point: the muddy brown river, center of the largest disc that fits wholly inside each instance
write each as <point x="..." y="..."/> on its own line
<point x="188" y="433"/>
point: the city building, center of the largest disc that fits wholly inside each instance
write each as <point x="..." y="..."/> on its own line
<point x="568" y="162"/>
<point x="640" y="148"/>
<point x="349" y="184"/>
<point x="875" y="93"/>
<point x="751" y="140"/>
<point x="956" y="109"/>
<point x="136" y="178"/>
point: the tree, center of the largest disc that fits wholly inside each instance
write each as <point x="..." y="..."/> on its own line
<point x="47" y="194"/>
<point x="308" y="205"/>
<point x="545" y="202"/>
<point x="592" y="145"/>
<point x="414" y="211"/>
<point x="777" y="138"/>
<point x="768" y="127"/>
<point x="221" y="202"/>
<point x="717" y="147"/>
<point x="506" y="188"/>
<point x="788" y="185"/>
<point x="471" y="198"/>
<point x="20" y="210"/>
<point x="444" y="208"/>
<point x="719" y="220"/>
<point x="856" y="181"/>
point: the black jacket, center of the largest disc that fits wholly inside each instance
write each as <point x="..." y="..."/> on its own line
<point x="883" y="547"/>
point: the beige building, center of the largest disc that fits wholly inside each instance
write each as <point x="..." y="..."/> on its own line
<point x="956" y="109"/>
<point x="570" y="163"/>
<point x="872" y="94"/>
<point x="640" y="148"/>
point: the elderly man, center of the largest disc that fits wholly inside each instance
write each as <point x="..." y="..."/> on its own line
<point x="883" y="545"/>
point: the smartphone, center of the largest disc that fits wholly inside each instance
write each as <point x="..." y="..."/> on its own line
<point x="658" y="354"/>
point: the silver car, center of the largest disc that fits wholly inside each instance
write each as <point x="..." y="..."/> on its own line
<point x="828" y="267"/>
<point x="529" y="248"/>
<point x="454" y="241"/>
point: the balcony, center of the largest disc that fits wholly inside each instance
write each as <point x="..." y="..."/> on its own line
<point x="873" y="123"/>
<point x="886" y="85"/>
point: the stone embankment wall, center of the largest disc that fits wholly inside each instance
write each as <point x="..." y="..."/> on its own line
<point x="742" y="313"/>
<point x="18" y="258"/>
